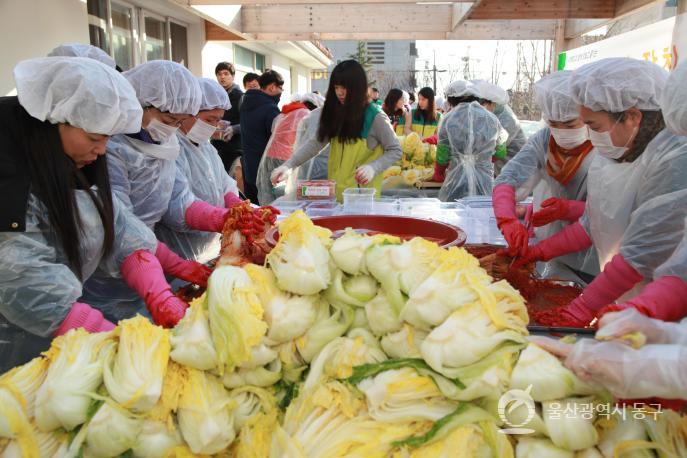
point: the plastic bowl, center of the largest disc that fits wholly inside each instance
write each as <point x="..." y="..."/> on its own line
<point x="405" y="227"/>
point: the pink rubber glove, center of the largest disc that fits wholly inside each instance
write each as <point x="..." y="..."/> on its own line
<point x="571" y="239"/>
<point x="178" y="267"/>
<point x="202" y="216"/>
<point x="617" y="278"/>
<point x="503" y="200"/>
<point x="84" y="316"/>
<point x="231" y="199"/>
<point x="143" y="273"/>
<point x="432" y="139"/>
<point x="663" y="299"/>
<point x="439" y="173"/>
<point x="555" y="209"/>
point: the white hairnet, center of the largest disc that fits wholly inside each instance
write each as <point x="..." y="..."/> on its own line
<point x="462" y="88"/>
<point x="167" y="86"/>
<point x="674" y="101"/>
<point x="214" y="95"/>
<point x="618" y="83"/>
<point x="439" y="103"/>
<point x="406" y="97"/>
<point x="78" y="91"/>
<point x="297" y="98"/>
<point x="491" y="92"/>
<point x="81" y="50"/>
<point x="552" y="94"/>
<point x="315" y="99"/>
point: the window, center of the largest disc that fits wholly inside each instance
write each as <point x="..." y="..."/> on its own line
<point x="179" y="43"/>
<point x="251" y="61"/>
<point x="133" y="35"/>
<point x="154" y="38"/>
<point x="123" y="35"/>
<point x="376" y="50"/>
<point x="97" y="24"/>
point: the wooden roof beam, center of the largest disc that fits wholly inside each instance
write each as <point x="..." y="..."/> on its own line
<point x="544" y="9"/>
<point x="346" y="18"/>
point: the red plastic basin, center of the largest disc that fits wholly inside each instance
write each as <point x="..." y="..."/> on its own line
<point x="404" y="227"/>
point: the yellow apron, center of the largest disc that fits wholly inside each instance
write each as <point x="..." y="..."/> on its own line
<point x="345" y="158"/>
<point x="422" y="129"/>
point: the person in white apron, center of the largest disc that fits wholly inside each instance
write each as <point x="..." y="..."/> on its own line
<point x="632" y="216"/>
<point x="59" y="222"/>
<point x="666" y="297"/>
<point x="200" y="172"/>
<point x="142" y="173"/>
<point x="553" y="164"/>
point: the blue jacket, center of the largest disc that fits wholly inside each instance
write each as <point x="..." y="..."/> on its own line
<point x="257" y="111"/>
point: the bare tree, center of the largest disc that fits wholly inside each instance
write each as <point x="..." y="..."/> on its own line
<point x="531" y="57"/>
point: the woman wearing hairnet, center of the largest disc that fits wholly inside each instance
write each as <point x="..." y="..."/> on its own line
<point x="362" y="142"/>
<point x="143" y="172"/>
<point x="468" y="136"/>
<point x="81" y="50"/>
<point x="666" y="297"/>
<point x="280" y="146"/>
<point x="634" y="215"/>
<point x="201" y="174"/>
<point x="59" y="219"/>
<point x="553" y="164"/>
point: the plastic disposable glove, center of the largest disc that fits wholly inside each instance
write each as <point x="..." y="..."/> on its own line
<point x="439" y="173"/>
<point x="615" y="325"/>
<point x="278" y="174"/>
<point x="84" y="316"/>
<point x="617" y="278"/>
<point x="665" y="299"/>
<point x="651" y="371"/>
<point x="178" y="267"/>
<point x="571" y="239"/>
<point x="143" y="273"/>
<point x="202" y="216"/>
<point x="231" y="199"/>
<point x="555" y="209"/>
<point x="364" y="174"/>
<point x="432" y="139"/>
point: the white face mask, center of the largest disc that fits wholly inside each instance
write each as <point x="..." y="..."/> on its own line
<point x="603" y="143"/>
<point x="159" y="131"/>
<point x="570" y="138"/>
<point x="200" y="132"/>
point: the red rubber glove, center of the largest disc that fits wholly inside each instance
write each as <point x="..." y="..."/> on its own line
<point x="617" y="278"/>
<point x="439" y="173"/>
<point x="231" y="199"/>
<point x="84" y="316"/>
<point x="571" y="239"/>
<point x="142" y="272"/>
<point x="432" y="139"/>
<point x="202" y="216"/>
<point x="178" y="267"/>
<point x="555" y="209"/>
<point x="503" y="200"/>
<point x="664" y="299"/>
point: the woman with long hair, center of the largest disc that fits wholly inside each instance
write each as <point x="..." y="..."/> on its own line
<point x="634" y="215"/>
<point x="362" y="142"/>
<point x="394" y="107"/>
<point x="59" y="220"/>
<point x="425" y="118"/>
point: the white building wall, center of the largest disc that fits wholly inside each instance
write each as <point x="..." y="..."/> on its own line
<point x="32" y="28"/>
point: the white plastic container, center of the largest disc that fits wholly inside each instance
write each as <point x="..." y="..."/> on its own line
<point x="358" y="201"/>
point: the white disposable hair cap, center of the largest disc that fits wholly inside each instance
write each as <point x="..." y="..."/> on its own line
<point x="81" y="50"/>
<point x="79" y="91"/>
<point x="214" y="95"/>
<point x="618" y="83"/>
<point x="552" y="95"/>
<point x="491" y="92"/>
<point x="674" y="101"/>
<point x="167" y="86"/>
<point x="462" y="88"/>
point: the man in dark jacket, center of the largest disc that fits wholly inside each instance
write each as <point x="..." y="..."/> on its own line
<point x="258" y="110"/>
<point x="230" y="149"/>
